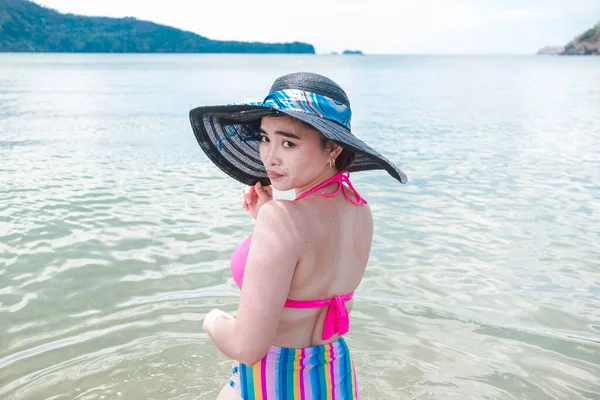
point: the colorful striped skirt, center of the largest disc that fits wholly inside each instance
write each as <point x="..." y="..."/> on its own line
<point x="321" y="372"/>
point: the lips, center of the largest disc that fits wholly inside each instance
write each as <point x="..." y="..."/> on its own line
<point x="273" y="175"/>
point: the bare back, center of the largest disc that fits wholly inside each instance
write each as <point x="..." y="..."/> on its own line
<point x="335" y="243"/>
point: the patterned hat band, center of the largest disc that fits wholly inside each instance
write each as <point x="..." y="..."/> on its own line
<point x="316" y="104"/>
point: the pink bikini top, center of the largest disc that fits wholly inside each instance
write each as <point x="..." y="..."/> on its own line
<point x="336" y="320"/>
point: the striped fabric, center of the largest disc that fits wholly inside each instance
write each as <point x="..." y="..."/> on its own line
<point x="229" y="134"/>
<point x="300" y="100"/>
<point x="314" y="373"/>
<point x="312" y="103"/>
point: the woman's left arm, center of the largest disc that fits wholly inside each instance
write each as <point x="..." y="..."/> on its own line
<point x="274" y="253"/>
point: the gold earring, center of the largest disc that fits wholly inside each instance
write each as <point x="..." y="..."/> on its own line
<point x="331" y="165"/>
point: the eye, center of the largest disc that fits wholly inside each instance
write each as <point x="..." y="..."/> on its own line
<point x="288" y="144"/>
<point x="264" y="138"/>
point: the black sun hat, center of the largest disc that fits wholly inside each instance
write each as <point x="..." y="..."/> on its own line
<point x="229" y="134"/>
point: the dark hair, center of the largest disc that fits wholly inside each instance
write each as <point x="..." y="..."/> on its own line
<point x="344" y="160"/>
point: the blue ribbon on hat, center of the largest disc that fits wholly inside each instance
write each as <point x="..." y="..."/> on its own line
<point x="312" y="103"/>
<point x="294" y="99"/>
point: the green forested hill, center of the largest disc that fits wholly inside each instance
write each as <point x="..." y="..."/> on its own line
<point x="29" y="27"/>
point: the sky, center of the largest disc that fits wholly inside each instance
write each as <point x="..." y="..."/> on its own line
<point x="372" y="26"/>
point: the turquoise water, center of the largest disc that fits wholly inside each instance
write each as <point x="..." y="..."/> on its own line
<point x="115" y="231"/>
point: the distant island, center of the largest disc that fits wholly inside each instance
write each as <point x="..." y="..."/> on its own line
<point x="356" y="52"/>
<point x="347" y="52"/>
<point x="28" y="27"/>
<point x="585" y="44"/>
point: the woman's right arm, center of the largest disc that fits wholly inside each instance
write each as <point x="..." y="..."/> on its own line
<point x="271" y="263"/>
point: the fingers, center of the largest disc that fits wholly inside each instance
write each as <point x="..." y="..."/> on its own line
<point x="251" y="195"/>
<point x="247" y="194"/>
<point x="269" y="190"/>
<point x="262" y="193"/>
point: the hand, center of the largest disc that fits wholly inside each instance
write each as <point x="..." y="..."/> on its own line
<point x="209" y="321"/>
<point x="209" y="324"/>
<point x="253" y="197"/>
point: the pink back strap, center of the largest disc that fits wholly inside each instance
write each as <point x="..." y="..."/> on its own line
<point x="336" y="320"/>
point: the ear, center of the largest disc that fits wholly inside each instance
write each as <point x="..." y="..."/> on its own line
<point x="334" y="149"/>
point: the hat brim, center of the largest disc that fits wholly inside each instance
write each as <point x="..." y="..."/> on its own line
<point x="228" y="135"/>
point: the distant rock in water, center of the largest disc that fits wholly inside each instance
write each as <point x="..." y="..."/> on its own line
<point x="586" y="44"/>
<point x="355" y="52"/>
<point x="553" y="50"/>
<point x="29" y="27"/>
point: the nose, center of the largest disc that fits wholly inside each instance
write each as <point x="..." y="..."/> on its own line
<point x="270" y="155"/>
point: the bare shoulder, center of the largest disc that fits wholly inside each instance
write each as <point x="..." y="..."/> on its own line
<point x="368" y="211"/>
<point x="281" y="221"/>
<point x="368" y="224"/>
<point x="278" y="212"/>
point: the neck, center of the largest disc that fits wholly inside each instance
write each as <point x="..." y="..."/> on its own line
<point x="328" y="173"/>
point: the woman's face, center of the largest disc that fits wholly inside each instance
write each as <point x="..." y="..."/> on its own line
<point x="291" y="152"/>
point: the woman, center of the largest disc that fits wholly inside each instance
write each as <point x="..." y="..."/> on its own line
<point x="305" y="258"/>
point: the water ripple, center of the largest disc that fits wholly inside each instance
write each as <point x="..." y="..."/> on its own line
<point x="115" y="232"/>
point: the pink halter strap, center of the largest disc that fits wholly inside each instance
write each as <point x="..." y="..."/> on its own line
<point x="341" y="178"/>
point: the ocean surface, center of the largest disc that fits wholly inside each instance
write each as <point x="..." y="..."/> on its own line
<point x="116" y="231"/>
